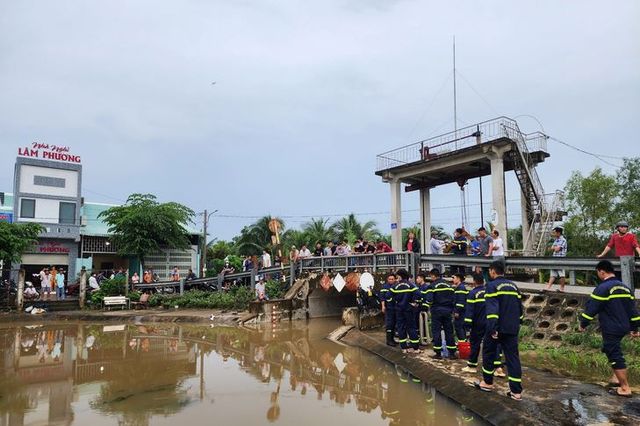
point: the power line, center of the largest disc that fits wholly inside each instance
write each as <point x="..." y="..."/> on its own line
<point x="600" y="157"/>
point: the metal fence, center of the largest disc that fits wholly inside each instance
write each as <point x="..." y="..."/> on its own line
<point x="486" y="131"/>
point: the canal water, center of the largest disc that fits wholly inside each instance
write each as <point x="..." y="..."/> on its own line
<point x="106" y="374"/>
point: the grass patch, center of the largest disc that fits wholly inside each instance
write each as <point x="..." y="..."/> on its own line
<point x="579" y="356"/>
<point x="237" y="298"/>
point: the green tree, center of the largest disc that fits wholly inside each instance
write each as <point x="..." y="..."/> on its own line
<point x="16" y="238"/>
<point x="220" y="249"/>
<point x="591" y="206"/>
<point x="318" y="231"/>
<point x="143" y="225"/>
<point x="349" y="228"/>
<point x="628" y="180"/>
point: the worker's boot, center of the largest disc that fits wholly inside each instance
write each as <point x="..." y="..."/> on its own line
<point x="390" y="339"/>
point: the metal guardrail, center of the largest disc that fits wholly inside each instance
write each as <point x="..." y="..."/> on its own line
<point x="393" y="261"/>
<point x="486" y="131"/>
<point x="567" y="263"/>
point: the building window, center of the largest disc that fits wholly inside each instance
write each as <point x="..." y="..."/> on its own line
<point x="27" y="208"/>
<point x="67" y="213"/>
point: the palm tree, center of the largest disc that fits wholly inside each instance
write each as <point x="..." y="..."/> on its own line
<point x="256" y="237"/>
<point x="318" y="231"/>
<point x="348" y="228"/>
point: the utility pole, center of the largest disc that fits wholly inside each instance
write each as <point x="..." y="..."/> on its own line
<point x="203" y="254"/>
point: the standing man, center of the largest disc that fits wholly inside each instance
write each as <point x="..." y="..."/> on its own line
<point x="461" y="293"/>
<point x="615" y="305"/>
<point x="623" y="241"/>
<point x="266" y="259"/>
<point x="389" y="308"/>
<point x="437" y="246"/>
<point x="503" y="304"/>
<point x="60" y="285"/>
<point x="441" y="300"/>
<point x="486" y="249"/>
<point x="475" y="319"/>
<point x="558" y="249"/>
<point x="459" y="247"/>
<point x="404" y="297"/>
<point x="45" y="283"/>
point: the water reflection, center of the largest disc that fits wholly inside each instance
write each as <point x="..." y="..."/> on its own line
<point x="142" y="374"/>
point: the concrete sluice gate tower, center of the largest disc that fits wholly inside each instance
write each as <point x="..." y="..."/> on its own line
<point x="488" y="148"/>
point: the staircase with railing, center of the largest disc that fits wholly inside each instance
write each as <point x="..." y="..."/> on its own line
<point x="541" y="212"/>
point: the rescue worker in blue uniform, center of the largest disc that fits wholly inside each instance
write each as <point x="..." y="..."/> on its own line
<point x="461" y="293"/>
<point x="405" y="297"/>
<point x="389" y="308"/>
<point x="615" y="306"/>
<point x="475" y="320"/>
<point x="423" y="286"/>
<point x="503" y="304"/>
<point x="441" y="301"/>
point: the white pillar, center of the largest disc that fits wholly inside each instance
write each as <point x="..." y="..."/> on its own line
<point x="498" y="195"/>
<point x="425" y="220"/>
<point x="396" y="215"/>
<point x="526" y="225"/>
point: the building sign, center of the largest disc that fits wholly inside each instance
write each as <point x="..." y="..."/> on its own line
<point x="45" y="151"/>
<point x="6" y="217"/>
<point x="48" y="247"/>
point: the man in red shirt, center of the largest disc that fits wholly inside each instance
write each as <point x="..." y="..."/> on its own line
<point x="624" y="242"/>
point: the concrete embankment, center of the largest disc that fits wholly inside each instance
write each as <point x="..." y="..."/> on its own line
<point x="195" y="316"/>
<point x="548" y="399"/>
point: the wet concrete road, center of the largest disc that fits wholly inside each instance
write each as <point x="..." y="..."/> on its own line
<point x="106" y="374"/>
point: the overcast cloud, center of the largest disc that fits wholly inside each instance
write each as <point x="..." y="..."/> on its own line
<point x="306" y="94"/>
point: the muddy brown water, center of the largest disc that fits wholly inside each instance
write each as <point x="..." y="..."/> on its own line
<point x="104" y="374"/>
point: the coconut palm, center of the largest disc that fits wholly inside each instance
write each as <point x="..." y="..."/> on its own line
<point x="318" y="231"/>
<point x="350" y="228"/>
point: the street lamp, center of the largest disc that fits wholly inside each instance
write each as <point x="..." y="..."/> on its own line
<point x="203" y="255"/>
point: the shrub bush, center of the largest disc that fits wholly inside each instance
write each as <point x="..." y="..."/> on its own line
<point x="237" y="298"/>
<point x="114" y="287"/>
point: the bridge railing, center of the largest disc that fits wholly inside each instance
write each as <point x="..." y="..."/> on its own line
<point x="427" y="149"/>
<point x="382" y="262"/>
<point x="626" y="265"/>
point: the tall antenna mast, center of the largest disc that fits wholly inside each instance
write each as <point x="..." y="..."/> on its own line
<point x="455" y="94"/>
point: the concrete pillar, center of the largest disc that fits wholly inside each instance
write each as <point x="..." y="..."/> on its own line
<point x="498" y="194"/>
<point x="425" y="220"/>
<point x="526" y="225"/>
<point x="627" y="267"/>
<point x="396" y="215"/>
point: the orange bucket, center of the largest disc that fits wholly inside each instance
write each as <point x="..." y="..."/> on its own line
<point x="464" y="350"/>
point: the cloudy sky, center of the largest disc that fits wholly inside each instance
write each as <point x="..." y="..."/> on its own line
<point x="306" y="94"/>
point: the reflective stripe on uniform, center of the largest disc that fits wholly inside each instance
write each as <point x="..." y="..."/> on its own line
<point x="485" y="371"/>
<point x="587" y="316"/>
<point x="475" y="300"/>
<point x="503" y="293"/>
<point x="468" y="320"/>
<point x="491" y="316"/>
<point x="515" y="379"/>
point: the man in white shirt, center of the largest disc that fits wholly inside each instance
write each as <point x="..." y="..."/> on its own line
<point x="261" y="291"/>
<point x="266" y="259"/>
<point x="498" y="246"/>
<point x="93" y="282"/>
<point x="60" y="285"/>
<point x="45" y="282"/>
<point x="304" y="252"/>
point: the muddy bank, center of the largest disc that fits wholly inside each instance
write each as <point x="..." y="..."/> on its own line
<point x="132" y="316"/>
<point x="548" y="399"/>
